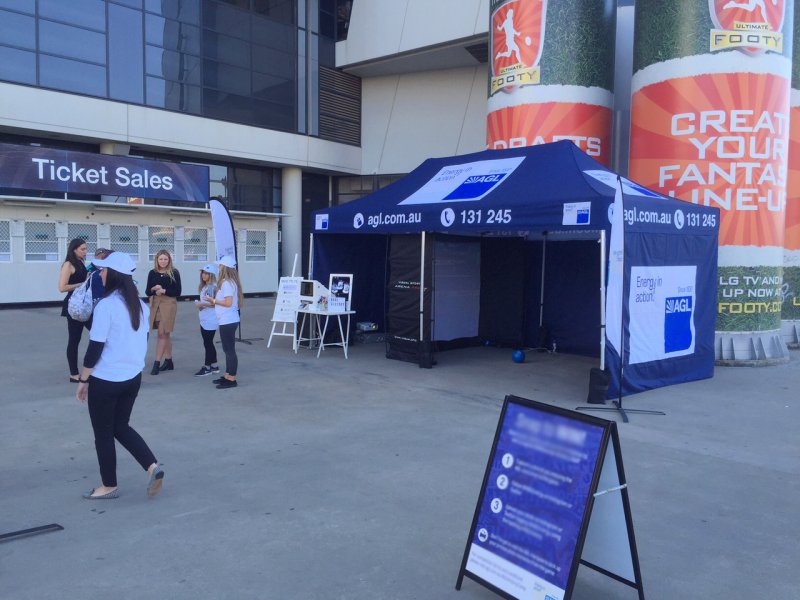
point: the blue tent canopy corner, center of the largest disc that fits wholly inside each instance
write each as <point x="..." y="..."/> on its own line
<point x="511" y="246"/>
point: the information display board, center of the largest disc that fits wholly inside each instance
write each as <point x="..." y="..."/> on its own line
<point x="287" y="300"/>
<point x="536" y="501"/>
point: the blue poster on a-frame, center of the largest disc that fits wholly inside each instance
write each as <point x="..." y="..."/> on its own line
<point x="541" y="510"/>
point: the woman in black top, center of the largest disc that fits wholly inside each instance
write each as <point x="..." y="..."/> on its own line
<point x="73" y="274"/>
<point x="163" y="288"/>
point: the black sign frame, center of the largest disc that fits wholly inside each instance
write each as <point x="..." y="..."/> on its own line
<point x="609" y="433"/>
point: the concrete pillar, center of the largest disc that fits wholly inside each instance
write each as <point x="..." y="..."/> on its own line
<point x="292" y="229"/>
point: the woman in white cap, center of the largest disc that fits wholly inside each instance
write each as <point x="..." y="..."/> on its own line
<point x="208" y="318"/>
<point x="227" y="302"/>
<point x="112" y="374"/>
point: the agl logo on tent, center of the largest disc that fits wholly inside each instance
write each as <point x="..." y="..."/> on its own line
<point x="677" y="323"/>
<point x="475" y="186"/>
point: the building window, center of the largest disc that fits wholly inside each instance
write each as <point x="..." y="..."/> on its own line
<point x="195" y="244"/>
<point x="256" y="246"/>
<point x="41" y="243"/>
<point x="86" y="232"/>
<point x="160" y="238"/>
<point x="125" y="238"/>
<point x="5" y="241"/>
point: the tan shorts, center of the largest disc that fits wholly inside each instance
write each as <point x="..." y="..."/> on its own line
<point x="162" y="313"/>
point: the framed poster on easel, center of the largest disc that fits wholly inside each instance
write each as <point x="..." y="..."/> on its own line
<point x="554" y="497"/>
<point x="341" y="286"/>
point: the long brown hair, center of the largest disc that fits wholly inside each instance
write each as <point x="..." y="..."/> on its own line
<point x="71" y="258"/>
<point x="212" y="280"/>
<point x="232" y="275"/>
<point x="170" y="270"/>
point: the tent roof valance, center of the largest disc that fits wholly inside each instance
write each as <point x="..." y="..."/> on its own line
<point x="516" y="192"/>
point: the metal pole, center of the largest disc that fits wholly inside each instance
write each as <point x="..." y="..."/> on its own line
<point x="311" y="257"/>
<point x="422" y="291"/>
<point x="541" y="293"/>
<point x="602" y="299"/>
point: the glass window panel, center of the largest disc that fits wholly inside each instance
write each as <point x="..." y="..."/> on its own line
<point x="17" y="65"/>
<point x="85" y="231"/>
<point x="227" y="19"/>
<point x="160" y="238"/>
<point x="88" y="13"/>
<point x="17" y="30"/>
<point x="26" y="6"/>
<point x="273" y="116"/>
<point x="131" y="3"/>
<point x="313" y="16"/>
<point x="5" y="241"/>
<point x="195" y="244"/>
<point x="173" y="65"/>
<point x="274" y="89"/>
<point x="72" y="42"/>
<point x="172" y="35"/>
<point x="226" y="78"/>
<point x="125" y="60"/>
<point x="274" y="62"/>
<point x="327" y="52"/>
<point x="187" y="11"/>
<point x="41" y="243"/>
<point x="275" y="35"/>
<point x="125" y="238"/>
<point x="173" y="95"/>
<point x="256" y="246"/>
<point x="224" y="48"/>
<point x="72" y="76"/>
<point x="279" y="10"/>
<point x="301" y="82"/>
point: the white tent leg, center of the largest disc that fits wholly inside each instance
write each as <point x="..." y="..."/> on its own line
<point x="422" y="290"/>
<point x="310" y="257"/>
<point x="602" y="299"/>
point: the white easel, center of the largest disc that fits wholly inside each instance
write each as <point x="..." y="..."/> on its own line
<point x="286" y="303"/>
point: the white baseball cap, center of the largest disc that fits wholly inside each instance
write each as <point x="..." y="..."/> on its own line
<point x="117" y="261"/>
<point x="227" y="261"/>
<point x="210" y="268"/>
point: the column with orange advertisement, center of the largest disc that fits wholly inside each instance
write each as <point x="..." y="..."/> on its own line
<point x="710" y="125"/>
<point x="791" y="255"/>
<point x="551" y="73"/>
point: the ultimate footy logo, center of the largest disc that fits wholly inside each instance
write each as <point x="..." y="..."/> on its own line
<point x="516" y="38"/>
<point x="750" y="26"/>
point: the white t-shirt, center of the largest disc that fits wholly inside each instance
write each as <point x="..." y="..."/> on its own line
<point x="123" y="354"/>
<point x="208" y="315"/>
<point x="227" y="315"/>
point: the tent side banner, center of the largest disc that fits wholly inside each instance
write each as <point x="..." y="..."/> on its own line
<point x="669" y="295"/>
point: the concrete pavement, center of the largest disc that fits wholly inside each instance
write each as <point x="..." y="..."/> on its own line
<point x="357" y="479"/>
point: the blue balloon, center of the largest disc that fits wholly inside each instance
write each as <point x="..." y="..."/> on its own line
<point x="518" y="356"/>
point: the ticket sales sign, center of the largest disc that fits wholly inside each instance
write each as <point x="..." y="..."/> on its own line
<point x="534" y="515"/>
<point x="27" y="168"/>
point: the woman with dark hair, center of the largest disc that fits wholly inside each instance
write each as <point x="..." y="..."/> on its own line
<point x="112" y="374"/>
<point x="163" y="288"/>
<point x="73" y="274"/>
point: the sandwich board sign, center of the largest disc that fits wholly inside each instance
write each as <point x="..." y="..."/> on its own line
<point x="553" y="497"/>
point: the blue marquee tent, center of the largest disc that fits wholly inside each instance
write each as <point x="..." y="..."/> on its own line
<point x="510" y="247"/>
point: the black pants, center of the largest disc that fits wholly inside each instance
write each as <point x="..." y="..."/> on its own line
<point x="110" y="406"/>
<point x="227" y="334"/>
<point x="75" y="330"/>
<point x="208" y="344"/>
